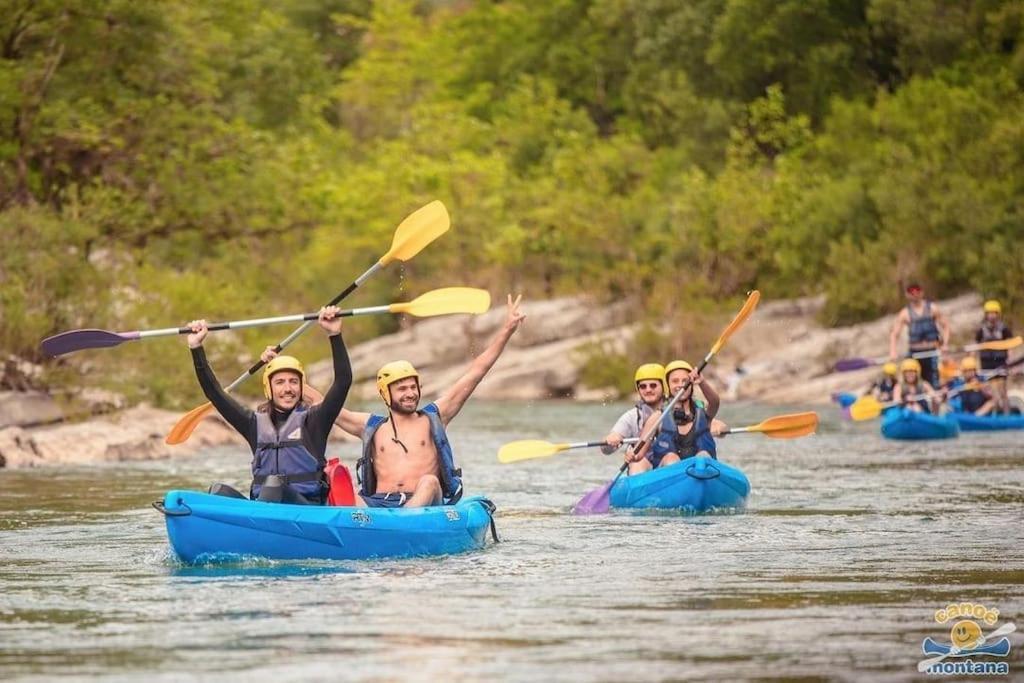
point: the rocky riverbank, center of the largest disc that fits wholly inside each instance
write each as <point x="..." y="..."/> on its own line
<point x="787" y="357"/>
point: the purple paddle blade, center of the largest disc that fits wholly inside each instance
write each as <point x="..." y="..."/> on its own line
<point x="76" y="340"/>
<point x="597" y="502"/>
<point x="850" y="364"/>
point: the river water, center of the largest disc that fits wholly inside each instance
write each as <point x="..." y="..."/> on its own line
<point x="848" y="547"/>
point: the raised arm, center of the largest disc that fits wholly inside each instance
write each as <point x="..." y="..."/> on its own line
<point x="236" y="414"/>
<point x="709" y="393"/>
<point x="451" y="402"/>
<point x="352" y="422"/>
<point x="894" y="334"/>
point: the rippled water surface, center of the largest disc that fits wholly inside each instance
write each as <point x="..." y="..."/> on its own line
<point x="848" y="546"/>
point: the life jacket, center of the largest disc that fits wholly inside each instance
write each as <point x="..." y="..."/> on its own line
<point x="967" y="400"/>
<point x="993" y="359"/>
<point x="643" y="412"/>
<point x="886" y="388"/>
<point x="698" y="439"/>
<point x="922" y="327"/>
<point x="286" y="456"/>
<point x="451" y="476"/>
<point x="918" y="389"/>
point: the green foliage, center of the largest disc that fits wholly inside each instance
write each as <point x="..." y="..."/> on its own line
<point x="164" y="161"/>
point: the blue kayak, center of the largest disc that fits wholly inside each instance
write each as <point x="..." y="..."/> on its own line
<point x="696" y="484"/>
<point x="845" y="399"/>
<point x="906" y="424"/>
<point x="988" y="423"/>
<point x="1000" y="648"/>
<point x="207" y="528"/>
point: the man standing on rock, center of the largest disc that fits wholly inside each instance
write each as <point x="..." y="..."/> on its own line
<point x="407" y="460"/>
<point x="927" y="330"/>
<point x="288" y="437"/>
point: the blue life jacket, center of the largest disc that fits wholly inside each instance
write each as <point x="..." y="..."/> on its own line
<point x="669" y="439"/>
<point x="451" y="476"/>
<point x="967" y="401"/>
<point x="287" y="455"/>
<point x="922" y="327"/>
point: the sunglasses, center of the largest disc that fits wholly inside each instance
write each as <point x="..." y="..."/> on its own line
<point x="649" y="385"/>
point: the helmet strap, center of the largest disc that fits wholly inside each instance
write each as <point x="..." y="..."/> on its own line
<point x="394" y="431"/>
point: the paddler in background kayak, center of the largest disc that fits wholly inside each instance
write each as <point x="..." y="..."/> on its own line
<point x="687" y="430"/>
<point x="973" y="397"/>
<point x="927" y="330"/>
<point x="649" y="380"/>
<point x="994" y="329"/>
<point x="882" y="389"/>
<point x="287" y="436"/>
<point x="407" y="460"/>
<point x="913" y="385"/>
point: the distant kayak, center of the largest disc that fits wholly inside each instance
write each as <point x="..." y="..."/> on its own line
<point x="207" y="528"/>
<point x="909" y="425"/>
<point x="988" y="423"/>
<point x="696" y="484"/>
<point x="845" y="399"/>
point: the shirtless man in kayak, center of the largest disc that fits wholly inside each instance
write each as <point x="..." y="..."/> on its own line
<point x="407" y="460"/>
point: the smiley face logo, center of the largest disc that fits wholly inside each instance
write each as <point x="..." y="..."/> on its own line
<point x="964" y="634"/>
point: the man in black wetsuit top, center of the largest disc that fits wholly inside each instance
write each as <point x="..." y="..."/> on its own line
<point x="288" y="437"/>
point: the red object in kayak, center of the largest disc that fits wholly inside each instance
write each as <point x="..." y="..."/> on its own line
<point x="342" y="490"/>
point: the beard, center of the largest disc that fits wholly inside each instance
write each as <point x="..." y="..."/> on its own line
<point x="397" y="407"/>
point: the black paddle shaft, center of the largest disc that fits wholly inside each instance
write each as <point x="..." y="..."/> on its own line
<point x="277" y="348"/>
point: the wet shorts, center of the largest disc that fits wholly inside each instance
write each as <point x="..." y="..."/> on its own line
<point x="395" y="499"/>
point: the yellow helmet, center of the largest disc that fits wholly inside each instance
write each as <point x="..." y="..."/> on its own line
<point x="676" y="365"/>
<point x="910" y="364"/>
<point x="277" y="364"/>
<point x="650" y="371"/>
<point x="392" y="372"/>
<point x="890" y="369"/>
<point x="969" y="363"/>
<point x="992" y="306"/>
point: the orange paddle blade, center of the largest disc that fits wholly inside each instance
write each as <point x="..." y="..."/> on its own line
<point x="184" y="427"/>
<point x="788" y="426"/>
<point x="738" y="321"/>
<point x="999" y="344"/>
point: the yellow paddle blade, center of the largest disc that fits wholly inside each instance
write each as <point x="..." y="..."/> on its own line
<point x="787" y="426"/>
<point x="419" y="229"/>
<point x="865" y="408"/>
<point x="738" y="321"/>
<point x="446" y="301"/>
<point x="184" y="427"/>
<point x="530" y="448"/>
<point x="999" y="344"/>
